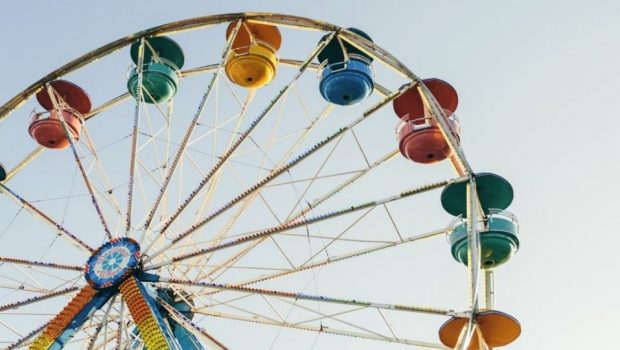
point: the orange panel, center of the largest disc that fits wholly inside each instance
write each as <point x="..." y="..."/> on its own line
<point x="497" y="328"/>
<point x="58" y="324"/>
<point x="262" y="32"/>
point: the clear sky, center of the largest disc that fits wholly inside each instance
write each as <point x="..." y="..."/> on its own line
<point x="536" y="80"/>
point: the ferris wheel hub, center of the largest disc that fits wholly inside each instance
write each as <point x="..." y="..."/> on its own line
<point x="112" y="263"/>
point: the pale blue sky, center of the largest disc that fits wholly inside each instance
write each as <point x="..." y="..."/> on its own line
<point x="536" y="81"/>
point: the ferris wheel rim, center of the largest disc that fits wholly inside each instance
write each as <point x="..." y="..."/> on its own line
<point x="196" y="23"/>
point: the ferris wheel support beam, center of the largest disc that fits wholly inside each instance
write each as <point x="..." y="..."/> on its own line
<point x="192" y="327"/>
<point x="338" y="258"/>
<point x="134" y="135"/>
<point x="40" y="263"/>
<point x="229" y="152"/>
<point x="280" y="170"/>
<point x="192" y="126"/>
<point x="70" y="319"/>
<point x="56" y="101"/>
<point x="473" y="265"/>
<point x="299" y="223"/>
<point x="320" y="329"/>
<point x="104" y="321"/>
<point x="27" y="337"/>
<point x="244" y="135"/>
<point x="301" y="296"/>
<point x="489" y="289"/>
<point x="41" y="215"/>
<point x="315" y="203"/>
<point x="37" y="299"/>
<point x="323" y="114"/>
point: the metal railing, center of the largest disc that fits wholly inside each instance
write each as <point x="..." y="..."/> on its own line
<point x="247" y="50"/>
<point x="155" y="59"/>
<point x="342" y="65"/>
<point x="34" y="116"/>
<point x="428" y="121"/>
<point x="493" y="213"/>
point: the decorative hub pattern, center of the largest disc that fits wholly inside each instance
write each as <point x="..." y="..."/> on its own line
<point x="112" y="263"/>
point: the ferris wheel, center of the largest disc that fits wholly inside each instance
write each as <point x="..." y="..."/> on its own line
<point x="190" y="184"/>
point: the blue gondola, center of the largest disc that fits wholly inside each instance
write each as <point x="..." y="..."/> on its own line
<point x="345" y="72"/>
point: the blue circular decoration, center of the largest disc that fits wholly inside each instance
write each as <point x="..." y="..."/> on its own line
<point x="112" y="262"/>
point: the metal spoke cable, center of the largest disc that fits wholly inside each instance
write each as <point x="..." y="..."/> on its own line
<point x="322" y="115"/>
<point x="26" y="338"/>
<point x="309" y="297"/>
<point x="280" y="170"/>
<point x="37" y="212"/>
<point x="134" y="134"/>
<point x="245" y="134"/>
<point x="234" y="218"/>
<point x="191" y="326"/>
<point x="104" y="179"/>
<point x="190" y="129"/>
<point x="52" y="95"/>
<point x="304" y="222"/>
<point x="315" y="204"/>
<point x="36" y="299"/>
<point x="40" y="263"/>
<point x="104" y="321"/>
<point x="319" y="329"/>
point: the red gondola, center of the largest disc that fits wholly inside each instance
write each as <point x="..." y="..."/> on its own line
<point x="420" y="138"/>
<point x="71" y="103"/>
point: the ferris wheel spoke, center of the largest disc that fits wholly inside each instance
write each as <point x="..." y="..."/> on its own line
<point x="24" y="162"/>
<point x="301" y="196"/>
<point x="334" y="317"/>
<point x="45" y="218"/>
<point x="314" y="122"/>
<point x="26" y="338"/>
<point x="352" y="179"/>
<point x="224" y="268"/>
<point x="317" y="329"/>
<point x="303" y="296"/>
<point x="192" y="327"/>
<point x="188" y="133"/>
<point x="23" y="285"/>
<point x="244" y="135"/>
<point x="320" y="177"/>
<point x="104" y="321"/>
<point x="56" y="100"/>
<point x="190" y="129"/>
<point x="213" y="175"/>
<point x="277" y="172"/>
<point x="37" y="299"/>
<point x="119" y="331"/>
<point x="302" y="222"/>
<point x="265" y="157"/>
<point x="40" y="263"/>
<point x="331" y="259"/>
<point x="316" y="203"/>
<point x="134" y="134"/>
<point x="216" y="177"/>
<point x="110" y="196"/>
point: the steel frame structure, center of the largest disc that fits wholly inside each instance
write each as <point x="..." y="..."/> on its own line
<point x="99" y="330"/>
